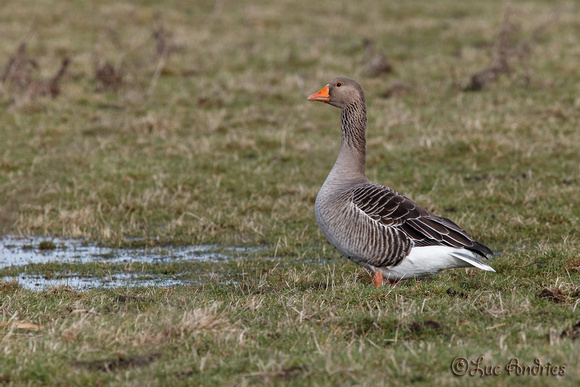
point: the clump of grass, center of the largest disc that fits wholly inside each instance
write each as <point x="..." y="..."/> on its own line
<point x="46" y="245"/>
<point x="108" y="77"/>
<point x="559" y="295"/>
<point x="9" y="286"/>
<point x="375" y="60"/>
<point x="48" y="88"/>
<point x="509" y="56"/>
<point x="19" y="69"/>
<point x="19" y="75"/>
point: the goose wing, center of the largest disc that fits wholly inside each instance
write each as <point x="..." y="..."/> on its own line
<point x="423" y="228"/>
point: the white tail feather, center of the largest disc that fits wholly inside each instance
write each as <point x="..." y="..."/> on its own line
<point x="429" y="260"/>
<point x="472" y="260"/>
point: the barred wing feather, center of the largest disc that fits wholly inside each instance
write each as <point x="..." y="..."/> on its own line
<point x="424" y="228"/>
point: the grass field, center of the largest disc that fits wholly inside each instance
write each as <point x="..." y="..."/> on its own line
<point x="178" y="123"/>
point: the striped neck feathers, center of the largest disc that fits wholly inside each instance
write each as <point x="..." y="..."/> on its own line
<point x="353" y="121"/>
<point x="352" y="156"/>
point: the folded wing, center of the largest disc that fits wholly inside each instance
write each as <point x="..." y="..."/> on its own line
<point x="396" y="212"/>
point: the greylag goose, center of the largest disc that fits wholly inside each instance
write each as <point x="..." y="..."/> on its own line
<point x="374" y="226"/>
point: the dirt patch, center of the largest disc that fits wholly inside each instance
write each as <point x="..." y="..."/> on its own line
<point x="185" y="374"/>
<point x="553" y="294"/>
<point x="119" y="363"/>
<point x="573" y="332"/>
<point x="454" y="293"/>
<point x="558" y="295"/>
<point x="417" y="327"/>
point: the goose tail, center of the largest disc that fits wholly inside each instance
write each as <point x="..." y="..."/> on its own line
<point x="472" y="260"/>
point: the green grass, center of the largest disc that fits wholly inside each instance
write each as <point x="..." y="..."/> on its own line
<point x="216" y="143"/>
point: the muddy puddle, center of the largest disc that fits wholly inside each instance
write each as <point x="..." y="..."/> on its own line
<point x="15" y="251"/>
<point x="36" y="282"/>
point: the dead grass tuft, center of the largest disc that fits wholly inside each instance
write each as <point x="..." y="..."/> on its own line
<point x="20" y="69"/>
<point x="71" y="334"/>
<point x="375" y="61"/>
<point x="108" y="77"/>
<point x="20" y="77"/>
<point x="51" y="87"/>
<point x="9" y="286"/>
<point x="509" y="56"/>
<point x="574" y="264"/>
<point x="197" y="320"/>
<point x="164" y="44"/>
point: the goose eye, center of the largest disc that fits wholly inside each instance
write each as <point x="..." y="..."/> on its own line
<point x="338" y="84"/>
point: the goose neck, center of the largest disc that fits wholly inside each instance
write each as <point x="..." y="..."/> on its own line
<point x="352" y="156"/>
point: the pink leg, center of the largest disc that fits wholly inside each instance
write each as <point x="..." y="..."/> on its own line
<point x="378" y="279"/>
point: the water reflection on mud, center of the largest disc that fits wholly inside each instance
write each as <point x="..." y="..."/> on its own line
<point x="16" y="251"/>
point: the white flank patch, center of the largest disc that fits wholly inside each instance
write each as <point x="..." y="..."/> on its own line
<point x="429" y="260"/>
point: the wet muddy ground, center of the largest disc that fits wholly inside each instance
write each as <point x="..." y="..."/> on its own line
<point x="33" y="251"/>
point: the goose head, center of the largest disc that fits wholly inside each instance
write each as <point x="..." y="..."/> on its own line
<point x="340" y="92"/>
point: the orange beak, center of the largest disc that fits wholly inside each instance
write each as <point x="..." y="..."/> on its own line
<point x="322" y="95"/>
